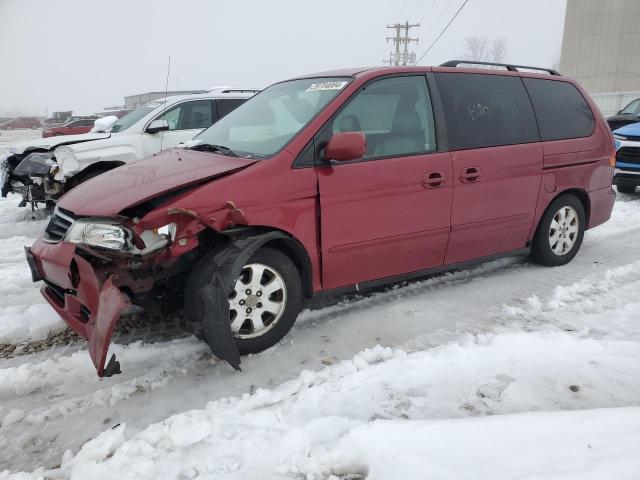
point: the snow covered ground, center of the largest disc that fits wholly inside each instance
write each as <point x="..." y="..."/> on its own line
<point x="506" y="370"/>
<point x="11" y="136"/>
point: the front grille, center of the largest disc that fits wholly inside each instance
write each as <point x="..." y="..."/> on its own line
<point x="628" y="155"/>
<point x="58" y="225"/>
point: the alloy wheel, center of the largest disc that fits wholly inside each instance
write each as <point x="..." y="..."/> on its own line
<point x="564" y="230"/>
<point x="257" y="302"/>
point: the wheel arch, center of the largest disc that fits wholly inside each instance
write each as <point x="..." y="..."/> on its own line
<point x="273" y="238"/>
<point x="581" y="194"/>
<point x="100" y="166"/>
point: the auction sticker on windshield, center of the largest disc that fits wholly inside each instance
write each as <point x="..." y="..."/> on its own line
<point x="315" y="87"/>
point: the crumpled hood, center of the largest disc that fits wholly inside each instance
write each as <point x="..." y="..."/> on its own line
<point x="52" y="142"/>
<point x="632" y="130"/>
<point x="110" y="193"/>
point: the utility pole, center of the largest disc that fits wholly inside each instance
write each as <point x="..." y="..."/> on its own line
<point x="401" y="42"/>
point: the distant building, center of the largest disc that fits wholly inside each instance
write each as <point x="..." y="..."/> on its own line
<point x="600" y="50"/>
<point x="134" y="101"/>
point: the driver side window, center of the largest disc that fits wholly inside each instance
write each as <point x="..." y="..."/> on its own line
<point x="394" y="114"/>
<point x="189" y="116"/>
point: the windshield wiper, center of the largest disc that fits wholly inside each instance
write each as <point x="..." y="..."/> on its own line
<point x="209" y="147"/>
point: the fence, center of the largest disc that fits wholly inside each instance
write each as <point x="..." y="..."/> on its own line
<point x="611" y="102"/>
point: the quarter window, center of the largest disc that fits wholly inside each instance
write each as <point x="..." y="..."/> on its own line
<point x="561" y="109"/>
<point x="227" y="105"/>
<point x="486" y="110"/>
<point x="394" y="114"/>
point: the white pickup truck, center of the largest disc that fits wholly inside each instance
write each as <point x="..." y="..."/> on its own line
<point x="41" y="170"/>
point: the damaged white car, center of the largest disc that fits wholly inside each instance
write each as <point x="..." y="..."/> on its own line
<point x="41" y="170"/>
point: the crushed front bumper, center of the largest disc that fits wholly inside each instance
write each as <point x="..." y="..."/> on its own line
<point x="91" y="307"/>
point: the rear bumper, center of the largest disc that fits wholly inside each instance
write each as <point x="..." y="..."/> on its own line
<point x="90" y="307"/>
<point x="601" y="202"/>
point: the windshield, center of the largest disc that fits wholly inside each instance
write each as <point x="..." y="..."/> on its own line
<point x="265" y="123"/>
<point x="633" y="107"/>
<point x="132" y="117"/>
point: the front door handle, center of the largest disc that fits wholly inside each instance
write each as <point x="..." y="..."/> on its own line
<point x="433" y="180"/>
<point x="470" y="175"/>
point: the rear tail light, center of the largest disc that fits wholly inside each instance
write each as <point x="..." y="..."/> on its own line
<point x="612" y="160"/>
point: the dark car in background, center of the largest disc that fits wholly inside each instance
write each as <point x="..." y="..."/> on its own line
<point x="21" y="122"/>
<point x="74" y="126"/>
<point x="629" y="114"/>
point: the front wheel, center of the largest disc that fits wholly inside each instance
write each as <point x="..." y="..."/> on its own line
<point x="560" y="232"/>
<point x="264" y="303"/>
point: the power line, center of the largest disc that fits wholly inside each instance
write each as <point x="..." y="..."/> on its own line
<point x="443" y="31"/>
<point x="434" y="24"/>
<point x="441" y="13"/>
<point x="404" y="4"/>
<point x="415" y="9"/>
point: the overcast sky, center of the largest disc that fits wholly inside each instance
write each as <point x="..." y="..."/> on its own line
<point x="84" y="55"/>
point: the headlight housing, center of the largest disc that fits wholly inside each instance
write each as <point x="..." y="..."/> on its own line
<point x="617" y="136"/>
<point x="67" y="161"/>
<point x="100" y="234"/>
<point x="110" y="235"/>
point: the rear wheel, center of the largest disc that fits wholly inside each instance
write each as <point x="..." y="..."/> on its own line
<point x="35" y="126"/>
<point x="626" y="188"/>
<point x="264" y="303"/>
<point x="560" y="232"/>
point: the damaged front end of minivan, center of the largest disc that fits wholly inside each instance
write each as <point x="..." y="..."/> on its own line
<point x="97" y="269"/>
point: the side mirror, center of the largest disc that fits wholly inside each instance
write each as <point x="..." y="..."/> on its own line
<point x="345" y="146"/>
<point x="158" y="126"/>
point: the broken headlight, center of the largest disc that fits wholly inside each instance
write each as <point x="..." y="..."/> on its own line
<point x="113" y="236"/>
<point x="38" y="164"/>
<point x="99" y="234"/>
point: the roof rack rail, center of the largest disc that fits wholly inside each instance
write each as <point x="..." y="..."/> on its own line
<point x="232" y="90"/>
<point x="508" y="66"/>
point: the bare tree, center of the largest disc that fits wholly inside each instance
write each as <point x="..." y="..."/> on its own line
<point x="498" y="50"/>
<point x="476" y="48"/>
<point x="480" y="49"/>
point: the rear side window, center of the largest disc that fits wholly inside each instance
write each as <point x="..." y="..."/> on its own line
<point x="486" y="110"/>
<point x="561" y="109"/>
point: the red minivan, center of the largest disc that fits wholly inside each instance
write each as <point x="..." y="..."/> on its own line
<point x="331" y="182"/>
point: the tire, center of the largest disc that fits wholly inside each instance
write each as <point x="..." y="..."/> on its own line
<point x="626" y="189"/>
<point x="566" y="211"/>
<point x="248" y="338"/>
<point x="35" y="127"/>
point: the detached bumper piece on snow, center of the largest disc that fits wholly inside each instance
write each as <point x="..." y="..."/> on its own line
<point x="74" y="291"/>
